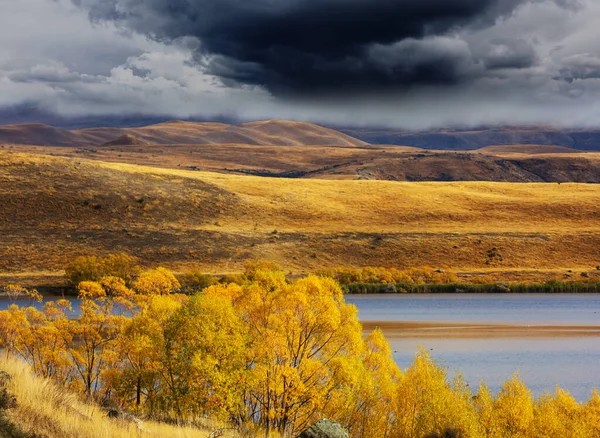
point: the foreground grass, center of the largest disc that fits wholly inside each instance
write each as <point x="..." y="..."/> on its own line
<point x="43" y="409"/>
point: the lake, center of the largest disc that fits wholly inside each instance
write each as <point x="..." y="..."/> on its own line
<point x="549" y="338"/>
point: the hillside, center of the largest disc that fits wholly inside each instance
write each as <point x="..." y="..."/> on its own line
<point x="126" y="140"/>
<point x="218" y="222"/>
<point x="273" y="132"/>
<point x="528" y="149"/>
<point x="469" y="139"/>
<point x="519" y="163"/>
<point x="37" y="134"/>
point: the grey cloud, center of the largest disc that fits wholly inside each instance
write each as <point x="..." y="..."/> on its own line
<point x="509" y="53"/>
<point x="579" y="66"/>
<point x="292" y="46"/>
<point x="463" y="62"/>
<point x="51" y="73"/>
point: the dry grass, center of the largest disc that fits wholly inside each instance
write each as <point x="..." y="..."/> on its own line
<point x="528" y="149"/>
<point x="53" y="209"/>
<point x="395" y="163"/>
<point x="45" y="409"/>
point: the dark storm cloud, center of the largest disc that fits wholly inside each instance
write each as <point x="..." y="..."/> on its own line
<point x="444" y="61"/>
<point x="402" y="63"/>
<point x="291" y="46"/>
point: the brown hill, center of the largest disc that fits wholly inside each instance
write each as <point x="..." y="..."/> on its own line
<point x="273" y="132"/>
<point x="394" y="163"/>
<point x="37" y="134"/>
<point x="530" y="149"/>
<point x="126" y="140"/>
<point x="467" y="166"/>
<point x="218" y="222"/>
<point x="282" y="131"/>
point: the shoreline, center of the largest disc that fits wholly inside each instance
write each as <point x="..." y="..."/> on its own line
<point x="445" y="330"/>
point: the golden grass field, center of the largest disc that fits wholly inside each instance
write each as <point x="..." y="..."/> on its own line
<point x="53" y="209"/>
<point x="525" y="163"/>
<point x="45" y="409"/>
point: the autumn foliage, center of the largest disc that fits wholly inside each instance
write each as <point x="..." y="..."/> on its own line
<point x="270" y="353"/>
<point x="369" y="274"/>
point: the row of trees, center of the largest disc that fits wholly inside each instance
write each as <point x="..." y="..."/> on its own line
<point x="374" y="275"/>
<point x="269" y="352"/>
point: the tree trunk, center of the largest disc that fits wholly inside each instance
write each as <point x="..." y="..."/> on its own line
<point x="138" y="394"/>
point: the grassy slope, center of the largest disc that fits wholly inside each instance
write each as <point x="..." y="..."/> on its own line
<point x="506" y="163"/>
<point x="53" y="209"/>
<point x="45" y="410"/>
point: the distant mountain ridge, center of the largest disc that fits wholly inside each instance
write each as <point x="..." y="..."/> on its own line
<point x="271" y="132"/>
<point x="470" y="139"/>
<point x="290" y="133"/>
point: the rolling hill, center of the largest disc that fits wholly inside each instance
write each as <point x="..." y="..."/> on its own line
<point x="53" y="209"/>
<point x="272" y="132"/>
<point x="38" y="134"/>
<point x="525" y="163"/>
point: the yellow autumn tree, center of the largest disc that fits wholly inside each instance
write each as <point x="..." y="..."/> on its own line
<point x="558" y="415"/>
<point x="427" y="403"/>
<point x="513" y="410"/>
<point x="591" y="413"/>
<point x="43" y="343"/>
<point x="12" y="323"/>
<point x="299" y="335"/>
<point x="139" y="347"/>
<point x="37" y="336"/>
<point x="95" y="332"/>
<point x="484" y="407"/>
<point x="202" y="363"/>
<point x="92" y="268"/>
<point x="159" y="281"/>
<point x="370" y="397"/>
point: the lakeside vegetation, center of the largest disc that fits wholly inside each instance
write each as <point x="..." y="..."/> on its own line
<point x="264" y="355"/>
<point x="552" y="286"/>
<point x="378" y="280"/>
<point x="366" y="280"/>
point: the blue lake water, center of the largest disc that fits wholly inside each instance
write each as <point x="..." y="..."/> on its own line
<point x="543" y="362"/>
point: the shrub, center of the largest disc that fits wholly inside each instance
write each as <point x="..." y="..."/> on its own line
<point x="92" y="268"/>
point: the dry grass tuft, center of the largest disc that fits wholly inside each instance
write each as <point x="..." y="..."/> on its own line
<point x="44" y="409"/>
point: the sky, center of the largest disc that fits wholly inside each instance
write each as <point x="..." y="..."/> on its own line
<point x="412" y="64"/>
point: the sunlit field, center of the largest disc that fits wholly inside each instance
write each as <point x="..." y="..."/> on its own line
<point x="218" y="222"/>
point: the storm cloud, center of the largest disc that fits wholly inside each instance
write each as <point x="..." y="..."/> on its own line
<point x="304" y="46"/>
<point x="405" y="63"/>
